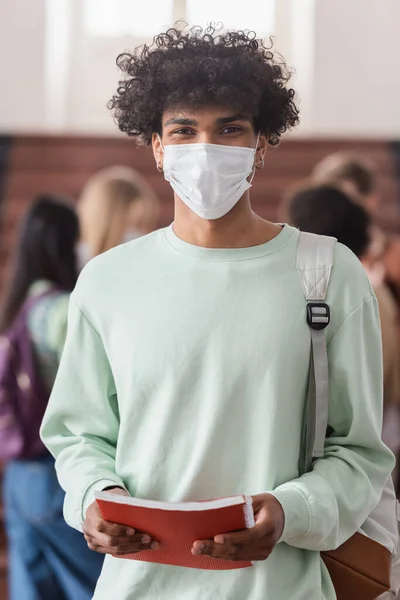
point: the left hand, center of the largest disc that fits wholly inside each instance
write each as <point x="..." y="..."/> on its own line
<point x="252" y="544"/>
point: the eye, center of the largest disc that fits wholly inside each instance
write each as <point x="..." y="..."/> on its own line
<point x="231" y="129"/>
<point x="183" y="131"/>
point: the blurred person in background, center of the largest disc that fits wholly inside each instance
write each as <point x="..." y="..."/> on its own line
<point x="391" y="263"/>
<point x="327" y="210"/>
<point x="353" y="174"/>
<point x="48" y="560"/>
<point x="356" y="177"/>
<point x="116" y="205"/>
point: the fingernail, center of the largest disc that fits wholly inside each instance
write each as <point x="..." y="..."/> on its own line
<point x="200" y="546"/>
<point x="130" y="531"/>
<point x="219" y="539"/>
<point x="146" y="539"/>
<point x="155" y="546"/>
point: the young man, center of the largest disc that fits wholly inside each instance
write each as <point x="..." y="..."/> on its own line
<point x="185" y="371"/>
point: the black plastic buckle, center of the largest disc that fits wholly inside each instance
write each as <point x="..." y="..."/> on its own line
<point x="318" y="315"/>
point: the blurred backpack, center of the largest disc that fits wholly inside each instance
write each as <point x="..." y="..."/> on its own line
<point x="23" y="395"/>
<point x="368" y="564"/>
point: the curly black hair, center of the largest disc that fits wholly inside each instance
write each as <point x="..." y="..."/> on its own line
<point x="190" y="68"/>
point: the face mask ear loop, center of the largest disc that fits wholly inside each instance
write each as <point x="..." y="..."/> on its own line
<point x="159" y="166"/>
<point x="161" y="144"/>
<point x="255" y="150"/>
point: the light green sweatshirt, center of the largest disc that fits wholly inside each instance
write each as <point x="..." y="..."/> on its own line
<point x="184" y="377"/>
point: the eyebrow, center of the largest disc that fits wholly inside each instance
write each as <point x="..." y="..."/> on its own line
<point x="194" y="123"/>
<point x="226" y="120"/>
<point x="181" y="121"/>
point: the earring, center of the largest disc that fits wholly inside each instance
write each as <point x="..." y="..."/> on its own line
<point x="159" y="167"/>
<point x="260" y="164"/>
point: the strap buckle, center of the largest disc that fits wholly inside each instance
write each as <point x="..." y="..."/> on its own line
<point x="318" y="315"/>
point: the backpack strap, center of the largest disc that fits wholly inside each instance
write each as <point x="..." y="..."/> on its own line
<point x="315" y="257"/>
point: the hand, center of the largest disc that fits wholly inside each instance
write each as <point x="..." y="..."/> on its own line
<point x="110" y="538"/>
<point x="252" y="544"/>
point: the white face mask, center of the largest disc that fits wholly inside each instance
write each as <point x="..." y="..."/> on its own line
<point x="209" y="178"/>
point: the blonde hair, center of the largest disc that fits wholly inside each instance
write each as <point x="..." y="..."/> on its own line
<point x="342" y="167"/>
<point x="112" y="200"/>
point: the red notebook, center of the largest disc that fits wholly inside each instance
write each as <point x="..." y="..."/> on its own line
<point x="177" y="526"/>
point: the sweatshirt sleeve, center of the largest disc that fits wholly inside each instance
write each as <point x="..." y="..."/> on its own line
<point x="327" y="506"/>
<point x="80" y="427"/>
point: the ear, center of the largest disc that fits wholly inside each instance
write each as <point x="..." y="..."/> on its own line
<point x="157" y="151"/>
<point x="262" y="147"/>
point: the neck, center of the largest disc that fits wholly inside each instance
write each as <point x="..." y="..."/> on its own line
<point x="240" y="228"/>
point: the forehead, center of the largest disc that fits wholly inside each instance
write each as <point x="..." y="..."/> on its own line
<point x="203" y="116"/>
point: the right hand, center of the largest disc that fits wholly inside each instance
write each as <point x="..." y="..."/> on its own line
<point x="110" y="538"/>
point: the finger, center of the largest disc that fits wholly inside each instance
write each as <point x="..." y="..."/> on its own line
<point x="98" y="549"/>
<point x="263" y="529"/>
<point x="239" y="538"/>
<point x="244" y="537"/>
<point x="230" y="546"/>
<point x="114" y="529"/>
<point x="123" y="550"/>
<point x="117" y="490"/>
<point x="110" y="541"/>
<point x="210" y="548"/>
<point x="142" y="541"/>
<point x="120" y="550"/>
<point x="99" y="525"/>
<point x="233" y="553"/>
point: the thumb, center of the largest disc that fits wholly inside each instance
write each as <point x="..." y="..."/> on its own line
<point x="239" y="538"/>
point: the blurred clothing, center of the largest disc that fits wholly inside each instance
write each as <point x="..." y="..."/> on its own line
<point x="48" y="559"/>
<point x="47" y="324"/>
<point x="392" y="263"/>
<point x="373" y="259"/>
<point x="390" y="342"/>
<point x="388" y="313"/>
